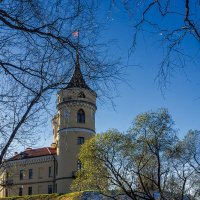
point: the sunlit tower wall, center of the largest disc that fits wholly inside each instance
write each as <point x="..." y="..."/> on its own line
<point x="72" y="126"/>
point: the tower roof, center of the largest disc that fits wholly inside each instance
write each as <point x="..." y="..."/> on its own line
<point x="77" y="79"/>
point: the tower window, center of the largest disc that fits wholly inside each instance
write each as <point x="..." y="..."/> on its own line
<point x="81" y="116"/>
<point x="80" y="140"/>
<point x="81" y="95"/>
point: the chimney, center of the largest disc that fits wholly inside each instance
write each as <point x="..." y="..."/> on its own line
<point x="28" y="148"/>
<point x="53" y="145"/>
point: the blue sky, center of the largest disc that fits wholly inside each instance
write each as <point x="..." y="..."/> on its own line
<point x="181" y="98"/>
<point x="140" y="92"/>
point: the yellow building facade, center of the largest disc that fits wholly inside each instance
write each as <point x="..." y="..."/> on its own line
<point x="52" y="169"/>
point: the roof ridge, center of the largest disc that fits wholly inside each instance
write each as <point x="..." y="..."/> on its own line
<point x="48" y="150"/>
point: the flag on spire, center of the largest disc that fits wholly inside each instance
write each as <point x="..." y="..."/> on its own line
<point x="75" y="33"/>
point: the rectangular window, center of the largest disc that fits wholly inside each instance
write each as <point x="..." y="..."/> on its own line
<point x="50" y="191"/>
<point x="21" y="174"/>
<point x="20" y="191"/>
<point x="30" y="173"/>
<point x="29" y="190"/>
<point x="80" y="140"/>
<point x="50" y="172"/>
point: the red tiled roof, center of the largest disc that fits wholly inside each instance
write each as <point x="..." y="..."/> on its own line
<point x="31" y="153"/>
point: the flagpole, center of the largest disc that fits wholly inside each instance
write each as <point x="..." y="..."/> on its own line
<point x="76" y="36"/>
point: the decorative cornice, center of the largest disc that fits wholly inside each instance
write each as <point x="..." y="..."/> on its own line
<point x="76" y="129"/>
<point x="34" y="182"/>
<point x="61" y="178"/>
<point x="28" y="161"/>
<point x="77" y="102"/>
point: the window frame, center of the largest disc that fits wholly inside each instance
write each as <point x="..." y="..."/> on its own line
<point x="30" y="190"/>
<point x="81" y="95"/>
<point x="30" y="173"/>
<point x="50" y="189"/>
<point x="21" y="174"/>
<point x="81" y="116"/>
<point x="80" y="140"/>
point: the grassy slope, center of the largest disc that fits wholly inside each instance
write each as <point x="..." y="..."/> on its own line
<point x="70" y="196"/>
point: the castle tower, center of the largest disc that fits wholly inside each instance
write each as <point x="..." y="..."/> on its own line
<point x="73" y="124"/>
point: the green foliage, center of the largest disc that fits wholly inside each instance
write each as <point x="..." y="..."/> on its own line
<point x="33" y="197"/>
<point x="70" y="196"/>
<point x="96" y="155"/>
<point x="153" y="135"/>
<point x="142" y="161"/>
<point x="93" y="174"/>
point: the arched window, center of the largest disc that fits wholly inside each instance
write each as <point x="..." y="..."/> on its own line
<point x="81" y="95"/>
<point x="81" y="116"/>
<point x="79" y="165"/>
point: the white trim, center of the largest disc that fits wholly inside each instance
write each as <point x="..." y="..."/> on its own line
<point x="76" y="130"/>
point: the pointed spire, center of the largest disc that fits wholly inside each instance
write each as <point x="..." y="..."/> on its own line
<point x="77" y="58"/>
<point x="77" y="79"/>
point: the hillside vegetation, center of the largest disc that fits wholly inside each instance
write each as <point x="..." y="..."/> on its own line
<point x="70" y="196"/>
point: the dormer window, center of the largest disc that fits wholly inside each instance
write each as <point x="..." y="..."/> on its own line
<point x="81" y="95"/>
<point x="81" y="116"/>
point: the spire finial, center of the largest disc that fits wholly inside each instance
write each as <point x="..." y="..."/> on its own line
<point x="76" y="35"/>
<point x="77" y="79"/>
<point x="77" y="58"/>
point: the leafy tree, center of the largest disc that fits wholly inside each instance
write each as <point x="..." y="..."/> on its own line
<point x="155" y="133"/>
<point x="92" y="175"/>
<point x="140" y="163"/>
<point x="191" y="149"/>
<point x="185" y="159"/>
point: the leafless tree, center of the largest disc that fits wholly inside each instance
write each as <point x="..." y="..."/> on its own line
<point x="39" y="41"/>
<point x="174" y="24"/>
